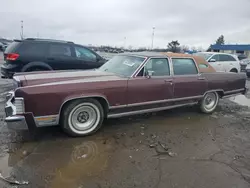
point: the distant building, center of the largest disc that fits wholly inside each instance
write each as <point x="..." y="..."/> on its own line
<point x="232" y="49"/>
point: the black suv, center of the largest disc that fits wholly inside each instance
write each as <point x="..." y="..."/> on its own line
<point x="44" y="54"/>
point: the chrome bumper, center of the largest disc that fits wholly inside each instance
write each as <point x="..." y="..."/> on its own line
<point x="16" y="122"/>
<point x="13" y="120"/>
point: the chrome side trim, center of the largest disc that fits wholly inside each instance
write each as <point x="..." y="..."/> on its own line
<point x="49" y="120"/>
<point x="215" y="90"/>
<point x="156" y="102"/>
<point x="148" y="110"/>
<point x="232" y="95"/>
<point x="234" y="91"/>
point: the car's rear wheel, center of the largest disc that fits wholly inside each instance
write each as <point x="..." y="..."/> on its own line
<point x="82" y="117"/>
<point x="209" y="102"/>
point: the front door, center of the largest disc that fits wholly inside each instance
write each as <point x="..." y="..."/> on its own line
<point x="217" y="65"/>
<point x="186" y="80"/>
<point x="155" y="87"/>
<point x="60" y="56"/>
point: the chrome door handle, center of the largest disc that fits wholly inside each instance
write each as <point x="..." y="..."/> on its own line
<point x="201" y="78"/>
<point x="169" y="81"/>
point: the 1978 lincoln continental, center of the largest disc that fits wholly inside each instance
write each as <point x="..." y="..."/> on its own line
<point x="127" y="84"/>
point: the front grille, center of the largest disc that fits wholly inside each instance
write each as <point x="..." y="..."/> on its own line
<point x="19" y="104"/>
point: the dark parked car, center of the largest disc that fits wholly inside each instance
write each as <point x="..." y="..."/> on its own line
<point x="41" y="55"/>
<point x="126" y="85"/>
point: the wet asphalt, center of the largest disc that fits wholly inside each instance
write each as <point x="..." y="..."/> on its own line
<point x="178" y="148"/>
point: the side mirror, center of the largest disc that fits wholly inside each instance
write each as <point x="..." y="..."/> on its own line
<point x="212" y="60"/>
<point x="148" y="73"/>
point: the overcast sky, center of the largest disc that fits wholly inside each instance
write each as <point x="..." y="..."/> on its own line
<point x="108" y="22"/>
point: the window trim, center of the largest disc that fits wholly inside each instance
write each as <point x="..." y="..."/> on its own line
<point x="197" y="68"/>
<point x="147" y="60"/>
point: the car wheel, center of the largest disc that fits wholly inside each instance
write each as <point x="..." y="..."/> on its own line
<point x="209" y="102"/>
<point x="82" y="117"/>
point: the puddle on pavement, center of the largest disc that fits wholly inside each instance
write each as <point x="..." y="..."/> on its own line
<point x="5" y="169"/>
<point x="241" y="100"/>
<point x="67" y="163"/>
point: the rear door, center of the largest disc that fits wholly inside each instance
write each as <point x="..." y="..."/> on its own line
<point x="229" y="63"/>
<point x="60" y="56"/>
<point x="85" y="58"/>
<point x="188" y="83"/>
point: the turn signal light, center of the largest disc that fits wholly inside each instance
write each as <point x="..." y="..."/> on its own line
<point x="12" y="57"/>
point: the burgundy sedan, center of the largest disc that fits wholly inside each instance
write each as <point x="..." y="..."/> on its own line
<point x="127" y="84"/>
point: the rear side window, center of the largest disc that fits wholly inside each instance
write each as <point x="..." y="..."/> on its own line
<point x="226" y="58"/>
<point x="33" y="49"/>
<point x="12" y="47"/>
<point x="184" y="66"/>
<point x="60" y="50"/>
<point x="159" y="67"/>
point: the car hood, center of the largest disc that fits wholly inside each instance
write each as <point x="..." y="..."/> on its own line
<point x="46" y="77"/>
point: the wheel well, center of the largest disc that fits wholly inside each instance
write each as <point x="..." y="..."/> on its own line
<point x="36" y="67"/>
<point x="101" y="100"/>
<point x="220" y="93"/>
<point x="233" y="70"/>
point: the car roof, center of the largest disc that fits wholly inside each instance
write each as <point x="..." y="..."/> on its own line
<point x="159" y="54"/>
<point x="215" y="53"/>
<point x="43" y="40"/>
<point x="199" y="60"/>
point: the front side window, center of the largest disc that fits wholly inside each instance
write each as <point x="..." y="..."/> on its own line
<point x="60" y="50"/>
<point x="158" y="67"/>
<point x="184" y="66"/>
<point x="84" y="54"/>
<point x="215" y="57"/>
<point x="122" y="65"/>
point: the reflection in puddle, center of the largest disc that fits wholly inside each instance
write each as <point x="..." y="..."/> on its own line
<point x="86" y="160"/>
<point x="4" y="167"/>
<point x="241" y="100"/>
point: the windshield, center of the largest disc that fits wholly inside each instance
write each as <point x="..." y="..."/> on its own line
<point x="122" y="65"/>
<point x="206" y="56"/>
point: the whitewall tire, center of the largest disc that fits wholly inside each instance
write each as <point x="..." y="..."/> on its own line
<point x="82" y="117"/>
<point x="209" y="102"/>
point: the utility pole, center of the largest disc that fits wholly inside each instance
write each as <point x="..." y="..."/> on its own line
<point x="152" y="45"/>
<point x="22" y="29"/>
<point x="124" y="42"/>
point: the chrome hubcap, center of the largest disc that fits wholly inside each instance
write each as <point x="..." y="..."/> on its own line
<point x="83" y="117"/>
<point x="210" y="101"/>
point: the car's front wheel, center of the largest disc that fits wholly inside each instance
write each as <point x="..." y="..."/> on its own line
<point x="82" y="117"/>
<point x="209" y="102"/>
